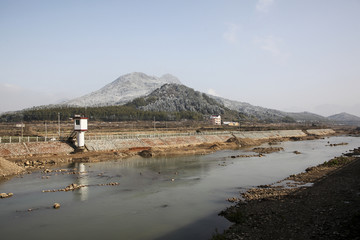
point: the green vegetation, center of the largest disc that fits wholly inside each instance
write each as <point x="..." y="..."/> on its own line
<point x="107" y="113"/>
<point x="139" y="102"/>
<point x="338" y="161"/>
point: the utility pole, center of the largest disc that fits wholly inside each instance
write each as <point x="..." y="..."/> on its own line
<point x="154" y="124"/>
<point x="59" y="123"/>
<point x="22" y="130"/>
<point x="45" y="131"/>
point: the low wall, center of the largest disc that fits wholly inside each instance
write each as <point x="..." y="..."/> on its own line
<point x="261" y="135"/>
<point x="21" y="149"/>
<point x="320" y="132"/>
<point x="172" y="141"/>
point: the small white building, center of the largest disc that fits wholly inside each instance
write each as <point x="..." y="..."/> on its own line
<point x="215" y="119"/>
<point x="80" y="126"/>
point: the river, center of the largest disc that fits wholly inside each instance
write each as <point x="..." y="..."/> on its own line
<point x="157" y="198"/>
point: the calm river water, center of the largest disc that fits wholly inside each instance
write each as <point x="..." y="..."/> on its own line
<point x="157" y="198"/>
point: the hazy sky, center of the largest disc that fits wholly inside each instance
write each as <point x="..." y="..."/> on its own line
<point x="292" y="55"/>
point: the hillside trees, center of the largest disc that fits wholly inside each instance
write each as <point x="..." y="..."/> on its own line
<point x="107" y="113"/>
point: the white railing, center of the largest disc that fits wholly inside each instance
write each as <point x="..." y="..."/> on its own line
<point x="19" y="139"/>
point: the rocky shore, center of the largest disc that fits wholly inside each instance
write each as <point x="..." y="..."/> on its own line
<point x="321" y="203"/>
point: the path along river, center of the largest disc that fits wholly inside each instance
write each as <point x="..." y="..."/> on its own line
<point x="157" y="198"/>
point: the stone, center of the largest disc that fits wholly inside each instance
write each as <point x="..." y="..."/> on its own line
<point x="3" y="195"/>
<point x="6" y="195"/>
<point x="56" y="205"/>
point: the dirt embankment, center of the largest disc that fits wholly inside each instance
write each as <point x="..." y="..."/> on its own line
<point x="290" y="209"/>
<point x="40" y="155"/>
<point x="8" y="168"/>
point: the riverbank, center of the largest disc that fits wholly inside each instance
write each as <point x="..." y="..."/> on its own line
<point x="38" y="155"/>
<point x="291" y="209"/>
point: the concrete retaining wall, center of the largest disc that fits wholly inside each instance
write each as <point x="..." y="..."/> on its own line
<point x="260" y="135"/>
<point x="121" y="144"/>
<point x="320" y="132"/>
<point x="19" y="149"/>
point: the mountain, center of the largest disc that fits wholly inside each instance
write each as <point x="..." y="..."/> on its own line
<point x="251" y="110"/>
<point x="306" y="117"/>
<point x="267" y="114"/>
<point x="345" y="118"/>
<point x="178" y="98"/>
<point x="123" y="90"/>
<point x="167" y="94"/>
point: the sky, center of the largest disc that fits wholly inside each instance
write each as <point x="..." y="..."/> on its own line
<point x="290" y="55"/>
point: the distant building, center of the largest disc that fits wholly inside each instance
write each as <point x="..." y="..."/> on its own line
<point x="231" y="123"/>
<point x="215" y="119"/>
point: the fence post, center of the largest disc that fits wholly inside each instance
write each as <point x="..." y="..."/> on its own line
<point x="10" y="139"/>
<point x="28" y="139"/>
<point x="19" y="139"/>
<point x="37" y="138"/>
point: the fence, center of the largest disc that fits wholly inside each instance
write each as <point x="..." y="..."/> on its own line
<point x="18" y="139"/>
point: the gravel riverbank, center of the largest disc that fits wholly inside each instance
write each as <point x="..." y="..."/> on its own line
<point x="291" y="209"/>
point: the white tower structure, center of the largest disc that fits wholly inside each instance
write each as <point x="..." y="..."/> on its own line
<point x="80" y="127"/>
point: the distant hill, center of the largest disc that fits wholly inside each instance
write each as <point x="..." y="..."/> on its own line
<point x="180" y="98"/>
<point x="166" y="94"/>
<point x="306" y="117"/>
<point x="123" y="90"/>
<point x="345" y="118"/>
<point x="267" y="114"/>
<point x="176" y="98"/>
<point x="260" y="113"/>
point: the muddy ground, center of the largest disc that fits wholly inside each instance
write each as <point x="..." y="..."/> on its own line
<point x="295" y="209"/>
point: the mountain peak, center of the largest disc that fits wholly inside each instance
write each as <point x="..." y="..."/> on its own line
<point x="344" y="117"/>
<point x="170" y="79"/>
<point x="124" y="89"/>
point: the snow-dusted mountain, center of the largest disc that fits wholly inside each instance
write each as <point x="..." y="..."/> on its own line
<point x="123" y="90"/>
<point x="251" y="110"/>
<point x="167" y="94"/>
<point x="135" y="85"/>
<point x="179" y="98"/>
<point x="345" y="118"/>
<point x="262" y="113"/>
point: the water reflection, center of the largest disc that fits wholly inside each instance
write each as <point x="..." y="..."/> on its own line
<point x="82" y="179"/>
